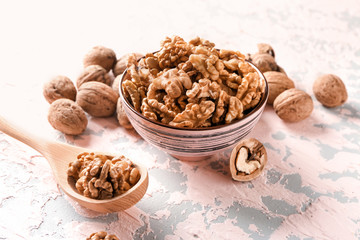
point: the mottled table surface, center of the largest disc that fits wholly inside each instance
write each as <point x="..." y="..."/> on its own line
<point x="310" y="188"/>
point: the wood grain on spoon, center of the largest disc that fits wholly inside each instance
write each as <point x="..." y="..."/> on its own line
<point x="59" y="156"/>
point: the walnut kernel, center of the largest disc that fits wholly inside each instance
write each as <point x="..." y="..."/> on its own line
<point x="100" y="176"/>
<point x="59" y="87"/>
<point x="102" y="236"/>
<point x="293" y="105"/>
<point x="247" y="160"/>
<point x="97" y="99"/>
<point x="102" y="56"/>
<point x="330" y="90"/>
<point x="278" y="82"/>
<point x="192" y="84"/>
<point x="67" y="117"/>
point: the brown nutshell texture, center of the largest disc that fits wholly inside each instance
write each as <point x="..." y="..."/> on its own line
<point x="116" y="83"/>
<point x="256" y="152"/>
<point x="67" y="117"/>
<point x="121" y="63"/>
<point x="278" y="82"/>
<point x="264" y="62"/>
<point x="93" y="73"/>
<point x="121" y="115"/>
<point x="266" y="48"/>
<point x="330" y="90"/>
<point x="102" y="56"/>
<point x="97" y="99"/>
<point x="293" y="105"/>
<point x="59" y="87"/>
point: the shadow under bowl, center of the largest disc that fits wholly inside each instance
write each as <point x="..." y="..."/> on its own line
<point x="194" y="144"/>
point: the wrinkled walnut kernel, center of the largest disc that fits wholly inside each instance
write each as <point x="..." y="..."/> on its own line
<point x="102" y="236"/>
<point x="247" y="160"/>
<point x="100" y="176"/>
<point x="181" y="84"/>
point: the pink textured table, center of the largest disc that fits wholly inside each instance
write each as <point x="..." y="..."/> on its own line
<point x="310" y="188"/>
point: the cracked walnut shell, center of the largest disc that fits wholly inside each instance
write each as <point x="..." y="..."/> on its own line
<point x="97" y="99"/>
<point x="59" y="87"/>
<point x="278" y="82"/>
<point x="247" y="160"/>
<point x="293" y="105"/>
<point x="330" y="90"/>
<point x="68" y="117"/>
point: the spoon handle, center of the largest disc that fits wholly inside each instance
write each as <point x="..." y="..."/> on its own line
<point x="14" y="131"/>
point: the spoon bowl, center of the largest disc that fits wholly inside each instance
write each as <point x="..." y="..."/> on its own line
<point x="59" y="155"/>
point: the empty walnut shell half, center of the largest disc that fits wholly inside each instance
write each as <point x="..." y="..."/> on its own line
<point x="247" y="160"/>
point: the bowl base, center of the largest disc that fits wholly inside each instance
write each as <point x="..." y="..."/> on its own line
<point x="191" y="159"/>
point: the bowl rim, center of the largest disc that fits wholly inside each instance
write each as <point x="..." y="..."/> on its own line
<point x="262" y="102"/>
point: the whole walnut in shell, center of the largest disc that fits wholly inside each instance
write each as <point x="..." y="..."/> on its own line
<point x="93" y="73"/>
<point x="97" y="99"/>
<point x="264" y="62"/>
<point x="66" y="116"/>
<point x="330" y="90"/>
<point x="59" y="87"/>
<point x="102" y="56"/>
<point x="116" y="83"/>
<point x="278" y="82"/>
<point x="293" y="105"/>
<point x="266" y="48"/>
<point x="121" y="115"/>
<point x="121" y="63"/>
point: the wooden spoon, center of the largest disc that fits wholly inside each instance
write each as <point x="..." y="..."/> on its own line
<point x="59" y="156"/>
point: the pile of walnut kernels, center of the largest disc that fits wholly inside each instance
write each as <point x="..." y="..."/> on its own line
<point x="193" y="84"/>
<point x="102" y="236"/>
<point x="184" y="84"/>
<point x="99" y="176"/>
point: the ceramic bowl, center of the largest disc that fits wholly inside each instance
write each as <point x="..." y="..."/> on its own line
<point x="194" y="144"/>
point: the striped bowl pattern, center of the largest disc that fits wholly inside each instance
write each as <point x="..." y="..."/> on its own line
<point x="191" y="144"/>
